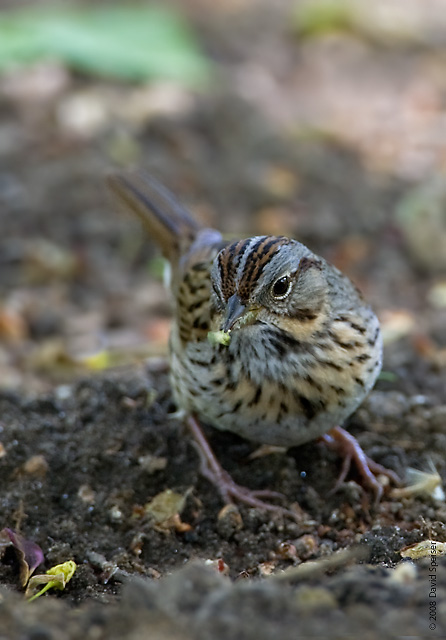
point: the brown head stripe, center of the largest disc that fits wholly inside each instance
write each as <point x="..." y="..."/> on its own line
<point x="228" y="261"/>
<point x="256" y="261"/>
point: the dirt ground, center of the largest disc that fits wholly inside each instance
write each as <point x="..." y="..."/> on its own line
<point x="337" y="140"/>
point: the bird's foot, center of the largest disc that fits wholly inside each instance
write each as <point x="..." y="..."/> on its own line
<point x="229" y="490"/>
<point x="349" y="448"/>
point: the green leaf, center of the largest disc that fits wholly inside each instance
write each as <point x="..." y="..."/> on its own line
<point x="318" y="17"/>
<point x="120" y="41"/>
<point x="387" y="376"/>
<point x="219" y="337"/>
<point x="55" y="578"/>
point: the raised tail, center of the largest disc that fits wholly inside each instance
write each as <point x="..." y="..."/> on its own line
<point x="167" y="222"/>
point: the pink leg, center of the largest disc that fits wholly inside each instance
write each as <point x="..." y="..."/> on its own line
<point x="229" y="490"/>
<point x="346" y="445"/>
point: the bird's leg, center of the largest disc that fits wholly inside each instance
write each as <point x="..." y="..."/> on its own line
<point x="347" y="446"/>
<point x="229" y="490"/>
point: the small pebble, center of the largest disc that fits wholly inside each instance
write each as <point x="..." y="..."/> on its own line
<point x="229" y="521"/>
<point x="310" y="599"/>
<point x="306" y="546"/>
<point x="35" y="466"/>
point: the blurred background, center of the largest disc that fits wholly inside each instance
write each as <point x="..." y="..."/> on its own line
<point x="320" y="119"/>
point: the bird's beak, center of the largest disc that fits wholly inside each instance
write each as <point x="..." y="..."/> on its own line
<point x="234" y="310"/>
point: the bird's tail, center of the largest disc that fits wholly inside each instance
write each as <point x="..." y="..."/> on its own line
<point x="167" y="222"/>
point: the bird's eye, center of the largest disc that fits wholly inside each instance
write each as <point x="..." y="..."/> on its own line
<point x="281" y="287"/>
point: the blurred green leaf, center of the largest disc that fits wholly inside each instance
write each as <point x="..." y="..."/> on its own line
<point x="387" y="376"/>
<point x="317" y="17"/>
<point x="120" y="41"/>
<point x="157" y="268"/>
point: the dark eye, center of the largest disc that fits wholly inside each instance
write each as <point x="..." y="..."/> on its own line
<point x="281" y="287"/>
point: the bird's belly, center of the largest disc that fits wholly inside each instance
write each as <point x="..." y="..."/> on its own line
<point x="207" y="382"/>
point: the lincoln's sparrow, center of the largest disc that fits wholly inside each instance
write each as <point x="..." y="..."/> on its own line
<point x="268" y="340"/>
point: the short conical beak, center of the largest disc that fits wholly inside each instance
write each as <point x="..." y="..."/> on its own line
<point x="234" y="310"/>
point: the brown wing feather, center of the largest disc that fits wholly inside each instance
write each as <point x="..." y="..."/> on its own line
<point x="189" y="247"/>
